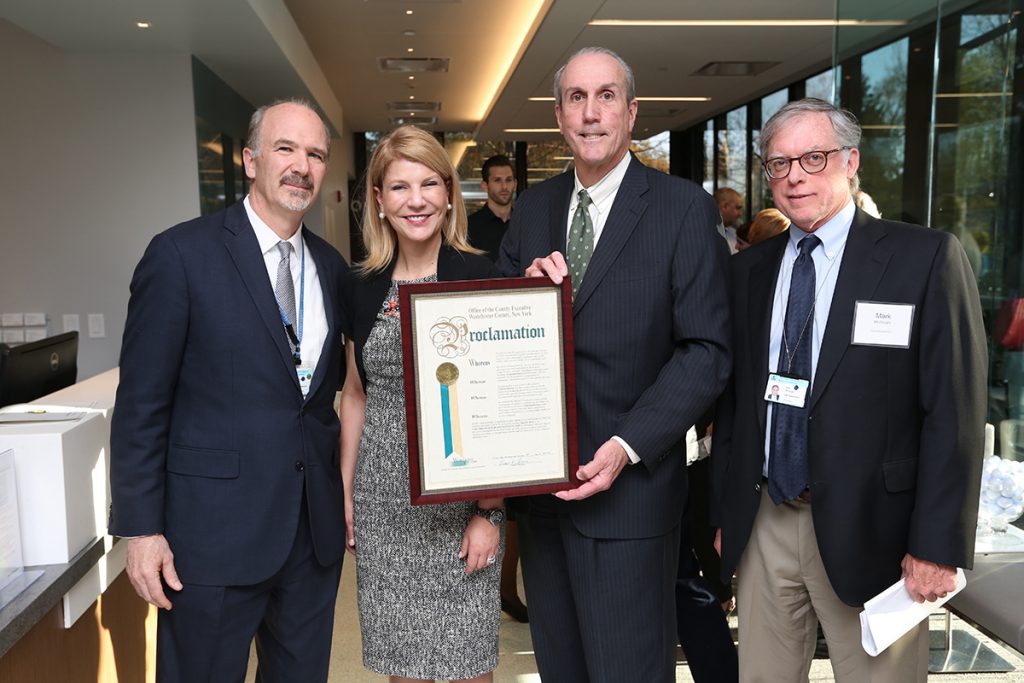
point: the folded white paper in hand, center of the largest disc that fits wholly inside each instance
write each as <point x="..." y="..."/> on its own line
<point x="892" y="613"/>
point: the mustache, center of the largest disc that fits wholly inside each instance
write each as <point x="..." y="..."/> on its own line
<point x="297" y="180"/>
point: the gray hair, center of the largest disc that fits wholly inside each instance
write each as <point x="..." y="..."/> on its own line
<point x="844" y="124"/>
<point x="252" y="138"/>
<point x="630" y="83"/>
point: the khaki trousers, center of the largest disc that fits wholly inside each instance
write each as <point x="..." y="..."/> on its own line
<point x="782" y="593"/>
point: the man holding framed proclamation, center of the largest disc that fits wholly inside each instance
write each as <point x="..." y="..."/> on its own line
<point x="651" y="344"/>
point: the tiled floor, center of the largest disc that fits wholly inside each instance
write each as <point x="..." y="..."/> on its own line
<point x="517" y="665"/>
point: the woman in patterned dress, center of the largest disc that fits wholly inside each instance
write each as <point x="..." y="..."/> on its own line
<point x="427" y="576"/>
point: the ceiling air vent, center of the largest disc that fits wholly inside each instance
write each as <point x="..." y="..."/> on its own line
<point x="412" y="64"/>
<point x="734" y="68"/>
<point x="411" y="105"/>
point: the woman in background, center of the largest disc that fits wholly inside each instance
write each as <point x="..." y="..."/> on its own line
<point x="427" y="576"/>
<point x="767" y="223"/>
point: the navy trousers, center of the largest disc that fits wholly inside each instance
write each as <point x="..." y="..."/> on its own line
<point x="205" y="637"/>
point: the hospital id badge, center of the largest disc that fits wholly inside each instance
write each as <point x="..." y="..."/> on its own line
<point x="787" y="390"/>
<point x="305" y="378"/>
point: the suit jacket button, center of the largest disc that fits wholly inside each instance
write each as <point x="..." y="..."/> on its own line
<point x="299" y="466"/>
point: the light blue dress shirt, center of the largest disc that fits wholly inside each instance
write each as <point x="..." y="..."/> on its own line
<point x="827" y="260"/>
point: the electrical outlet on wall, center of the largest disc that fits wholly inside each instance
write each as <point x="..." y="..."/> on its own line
<point x="97" y="326"/>
<point x="14" y="336"/>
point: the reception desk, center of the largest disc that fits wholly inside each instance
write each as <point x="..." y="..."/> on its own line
<point x="80" y="620"/>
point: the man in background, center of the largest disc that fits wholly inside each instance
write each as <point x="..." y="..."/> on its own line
<point x="487" y="226"/>
<point x="730" y="205"/>
<point x="224" y="443"/>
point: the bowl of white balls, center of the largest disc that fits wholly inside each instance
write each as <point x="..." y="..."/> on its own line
<point x="1002" y="494"/>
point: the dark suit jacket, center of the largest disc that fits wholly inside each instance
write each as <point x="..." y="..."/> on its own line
<point x="651" y="333"/>
<point x="369" y="291"/>
<point x="212" y="442"/>
<point x="486" y="231"/>
<point x="895" y="435"/>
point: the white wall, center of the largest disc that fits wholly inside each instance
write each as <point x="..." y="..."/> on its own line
<point x="335" y="213"/>
<point x="99" y="154"/>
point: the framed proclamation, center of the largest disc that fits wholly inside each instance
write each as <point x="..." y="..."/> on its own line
<point x="490" y="397"/>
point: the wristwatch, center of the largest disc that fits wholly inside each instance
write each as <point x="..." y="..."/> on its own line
<point x="496" y="516"/>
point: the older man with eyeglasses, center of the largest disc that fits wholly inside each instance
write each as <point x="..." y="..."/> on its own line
<point x="864" y="466"/>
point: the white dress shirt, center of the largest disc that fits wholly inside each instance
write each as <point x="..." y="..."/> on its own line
<point x="602" y="196"/>
<point x="314" y="315"/>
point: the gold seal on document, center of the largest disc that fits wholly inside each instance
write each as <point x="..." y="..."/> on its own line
<point x="447" y="373"/>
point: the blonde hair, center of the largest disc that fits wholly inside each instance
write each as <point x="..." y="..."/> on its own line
<point x="418" y="146"/>
<point x="767" y="223"/>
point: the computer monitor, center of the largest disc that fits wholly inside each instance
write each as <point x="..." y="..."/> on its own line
<point x="28" y="371"/>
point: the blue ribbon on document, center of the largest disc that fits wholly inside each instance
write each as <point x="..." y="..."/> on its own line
<point x="446" y="420"/>
<point x="447" y="375"/>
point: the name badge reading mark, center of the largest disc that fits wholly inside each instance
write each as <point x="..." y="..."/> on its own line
<point x="881" y="324"/>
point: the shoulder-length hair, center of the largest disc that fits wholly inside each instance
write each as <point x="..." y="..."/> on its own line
<point x="416" y="145"/>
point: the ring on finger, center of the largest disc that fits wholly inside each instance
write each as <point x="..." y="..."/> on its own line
<point x="490" y="559"/>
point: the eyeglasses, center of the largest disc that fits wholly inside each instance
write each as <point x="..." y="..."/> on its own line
<point x="811" y="162"/>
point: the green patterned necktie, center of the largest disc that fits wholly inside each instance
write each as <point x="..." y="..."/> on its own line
<point x="581" y="241"/>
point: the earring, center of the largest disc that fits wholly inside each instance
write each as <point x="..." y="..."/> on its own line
<point x="449" y="206"/>
<point x="380" y="215"/>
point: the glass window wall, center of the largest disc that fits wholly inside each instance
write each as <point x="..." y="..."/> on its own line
<point x="879" y="97"/>
<point x="732" y="151"/>
<point x="943" y="146"/>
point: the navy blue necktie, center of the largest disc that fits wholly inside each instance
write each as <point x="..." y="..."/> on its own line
<point x="787" y="467"/>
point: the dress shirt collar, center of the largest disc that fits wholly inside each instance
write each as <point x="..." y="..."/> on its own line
<point x="602" y="193"/>
<point x="266" y="237"/>
<point x="832" y="235"/>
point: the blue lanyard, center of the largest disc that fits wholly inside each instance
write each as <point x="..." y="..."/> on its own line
<point x="295" y="335"/>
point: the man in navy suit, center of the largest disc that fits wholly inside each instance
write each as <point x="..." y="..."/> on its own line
<point x="224" y="446"/>
<point x="866" y="467"/>
<point x="650" y="321"/>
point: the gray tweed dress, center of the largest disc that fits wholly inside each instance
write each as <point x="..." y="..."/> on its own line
<point x="420" y="615"/>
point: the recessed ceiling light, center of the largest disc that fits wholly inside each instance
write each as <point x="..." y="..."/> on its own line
<point x="412" y="97"/>
<point x="408" y="33"/>
<point x="408" y="49"/>
<point x="143" y="24"/>
<point x="408" y="11"/>
<point x="412" y="78"/>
